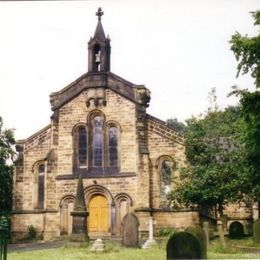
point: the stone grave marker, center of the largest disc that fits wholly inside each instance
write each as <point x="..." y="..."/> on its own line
<point x="199" y="233"/>
<point x="256" y="231"/>
<point x="130" y="226"/>
<point x="150" y="242"/>
<point x="183" y="245"/>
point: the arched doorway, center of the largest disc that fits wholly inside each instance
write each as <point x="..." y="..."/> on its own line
<point x="98" y="214"/>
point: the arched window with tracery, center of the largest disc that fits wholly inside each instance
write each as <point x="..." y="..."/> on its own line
<point x="96" y="145"/>
<point x="41" y="186"/>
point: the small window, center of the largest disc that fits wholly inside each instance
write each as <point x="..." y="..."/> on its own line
<point x="113" y="146"/>
<point x="41" y="186"/>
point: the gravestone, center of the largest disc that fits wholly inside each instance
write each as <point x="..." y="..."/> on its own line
<point x="199" y="233"/>
<point x="256" y="231"/>
<point x="130" y="226"/>
<point x="183" y="245"/>
<point x="236" y="230"/>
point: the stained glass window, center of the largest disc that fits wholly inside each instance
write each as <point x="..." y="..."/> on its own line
<point x="97" y="126"/>
<point x="82" y="146"/>
<point x="41" y="185"/>
<point x="113" y="146"/>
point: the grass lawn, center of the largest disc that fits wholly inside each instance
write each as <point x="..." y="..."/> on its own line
<point x="114" y="251"/>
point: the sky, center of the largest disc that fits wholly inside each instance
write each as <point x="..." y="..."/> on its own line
<point x="179" y="49"/>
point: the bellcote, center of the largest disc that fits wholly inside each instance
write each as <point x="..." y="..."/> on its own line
<point x="99" y="48"/>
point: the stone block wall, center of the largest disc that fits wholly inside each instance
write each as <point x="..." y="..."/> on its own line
<point x="117" y="109"/>
<point x="163" y="141"/>
<point x="178" y="220"/>
<point x="35" y="149"/>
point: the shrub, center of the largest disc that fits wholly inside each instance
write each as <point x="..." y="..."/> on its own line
<point x="111" y="247"/>
<point x="164" y="232"/>
<point x="31" y="232"/>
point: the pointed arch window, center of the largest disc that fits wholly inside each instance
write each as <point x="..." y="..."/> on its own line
<point x="97" y="140"/>
<point x="41" y="186"/>
<point x="96" y="145"/>
<point x="82" y="147"/>
<point x="112" y="146"/>
<point x="166" y="169"/>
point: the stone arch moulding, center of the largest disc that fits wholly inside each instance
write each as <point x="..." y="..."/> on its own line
<point x="123" y="196"/>
<point x="75" y="127"/>
<point x="96" y="189"/>
<point x="93" y="113"/>
<point x="113" y="123"/>
<point x="36" y="164"/>
<point x="164" y="157"/>
<point x="67" y="198"/>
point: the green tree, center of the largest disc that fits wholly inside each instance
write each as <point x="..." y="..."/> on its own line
<point x="247" y="52"/>
<point x="176" y="124"/>
<point x="216" y="173"/>
<point x="6" y="154"/>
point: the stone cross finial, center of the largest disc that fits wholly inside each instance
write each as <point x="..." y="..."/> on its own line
<point x="99" y="13"/>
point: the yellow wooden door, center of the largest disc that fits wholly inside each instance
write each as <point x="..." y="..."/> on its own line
<point x="98" y="214"/>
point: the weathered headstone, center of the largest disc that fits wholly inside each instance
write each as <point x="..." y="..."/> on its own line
<point x="256" y="231"/>
<point x="98" y="246"/>
<point x="150" y="242"/>
<point x="236" y="230"/>
<point x="130" y="226"/>
<point x="199" y="233"/>
<point x="183" y="245"/>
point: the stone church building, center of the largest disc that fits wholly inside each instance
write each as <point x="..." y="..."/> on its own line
<point x="99" y="129"/>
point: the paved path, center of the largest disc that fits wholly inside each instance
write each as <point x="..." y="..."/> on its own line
<point x="34" y="246"/>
